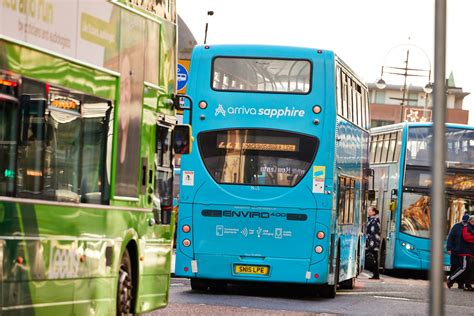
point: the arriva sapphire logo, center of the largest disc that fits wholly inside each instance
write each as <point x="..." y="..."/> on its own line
<point x="253" y="111"/>
<point x="220" y="110"/>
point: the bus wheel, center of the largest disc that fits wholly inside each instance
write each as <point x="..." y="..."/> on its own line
<point x="348" y="284"/>
<point x="218" y="286"/>
<point x="125" y="287"/>
<point x="328" y="291"/>
<point x="199" y="285"/>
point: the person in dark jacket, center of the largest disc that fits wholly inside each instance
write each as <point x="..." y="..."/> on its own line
<point x="453" y="246"/>
<point x="372" y="245"/>
<point x="465" y="273"/>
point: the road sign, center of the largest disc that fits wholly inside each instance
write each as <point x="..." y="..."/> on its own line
<point x="183" y="76"/>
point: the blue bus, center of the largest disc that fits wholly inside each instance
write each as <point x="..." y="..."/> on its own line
<point x="400" y="156"/>
<point x="275" y="187"/>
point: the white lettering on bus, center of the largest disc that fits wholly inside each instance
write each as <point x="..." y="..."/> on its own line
<point x="63" y="263"/>
<point x="269" y="112"/>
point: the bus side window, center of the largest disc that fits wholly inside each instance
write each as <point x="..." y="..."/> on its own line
<point x="339" y="91"/>
<point x="31" y="146"/>
<point x="164" y="172"/>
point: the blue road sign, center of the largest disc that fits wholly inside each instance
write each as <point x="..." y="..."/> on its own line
<point x="183" y="76"/>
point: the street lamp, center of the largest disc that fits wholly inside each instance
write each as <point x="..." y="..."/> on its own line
<point x="380" y="84"/>
<point x="407" y="72"/>
<point x="209" y="13"/>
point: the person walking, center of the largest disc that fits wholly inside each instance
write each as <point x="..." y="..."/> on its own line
<point x="465" y="273"/>
<point x="453" y="246"/>
<point x="372" y="244"/>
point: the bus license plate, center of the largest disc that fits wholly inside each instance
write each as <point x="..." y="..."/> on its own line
<point x="261" y="270"/>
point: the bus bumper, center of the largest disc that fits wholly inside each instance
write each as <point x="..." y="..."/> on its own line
<point x="410" y="257"/>
<point x="247" y="268"/>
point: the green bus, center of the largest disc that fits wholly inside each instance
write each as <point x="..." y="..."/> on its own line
<point x="86" y="155"/>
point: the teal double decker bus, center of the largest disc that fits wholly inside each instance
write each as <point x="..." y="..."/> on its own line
<point x="274" y="189"/>
<point x="400" y="156"/>
<point x="86" y="156"/>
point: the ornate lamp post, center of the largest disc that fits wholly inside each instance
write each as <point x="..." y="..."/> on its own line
<point x="406" y="72"/>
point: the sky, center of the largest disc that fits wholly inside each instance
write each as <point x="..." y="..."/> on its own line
<point x="366" y="34"/>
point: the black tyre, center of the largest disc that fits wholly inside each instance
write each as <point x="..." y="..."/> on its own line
<point x="329" y="291"/>
<point x="348" y="284"/>
<point x="218" y="286"/>
<point x="125" y="294"/>
<point x="199" y="285"/>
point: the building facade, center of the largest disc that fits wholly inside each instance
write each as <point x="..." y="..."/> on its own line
<point x="394" y="105"/>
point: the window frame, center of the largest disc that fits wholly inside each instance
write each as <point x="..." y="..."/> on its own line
<point x="213" y="72"/>
<point x="35" y="91"/>
<point x="310" y="161"/>
<point x="346" y="200"/>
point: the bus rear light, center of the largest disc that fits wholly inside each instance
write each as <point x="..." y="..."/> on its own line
<point x="318" y="249"/>
<point x="186" y="243"/>
<point x="316" y="276"/>
<point x="186" y="228"/>
<point x="8" y="83"/>
<point x="316" y="109"/>
<point x="320" y="235"/>
<point x="203" y="105"/>
<point x="186" y="269"/>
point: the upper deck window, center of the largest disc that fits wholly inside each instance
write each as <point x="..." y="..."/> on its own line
<point x="460" y="147"/>
<point x="257" y="157"/>
<point x="261" y="75"/>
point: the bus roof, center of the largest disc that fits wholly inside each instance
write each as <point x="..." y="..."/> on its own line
<point x="399" y="126"/>
<point x="260" y="51"/>
<point x="273" y="51"/>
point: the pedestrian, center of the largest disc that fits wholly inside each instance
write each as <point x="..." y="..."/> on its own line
<point x="465" y="273"/>
<point x="454" y="244"/>
<point x="372" y="244"/>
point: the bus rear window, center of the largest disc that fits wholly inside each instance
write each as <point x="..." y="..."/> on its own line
<point x="261" y="75"/>
<point x="257" y="157"/>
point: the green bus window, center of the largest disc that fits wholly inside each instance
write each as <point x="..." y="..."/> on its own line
<point x="31" y="147"/>
<point x="93" y="182"/>
<point x="8" y="131"/>
<point x="163" y="166"/>
<point x="152" y="52"/>
<point x="62" y="157"/>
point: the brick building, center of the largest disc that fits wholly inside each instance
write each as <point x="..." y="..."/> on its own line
<point x="391" y="105"/>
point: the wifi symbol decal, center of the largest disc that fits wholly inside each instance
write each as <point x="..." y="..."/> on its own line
<point x="245" y="232"/>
